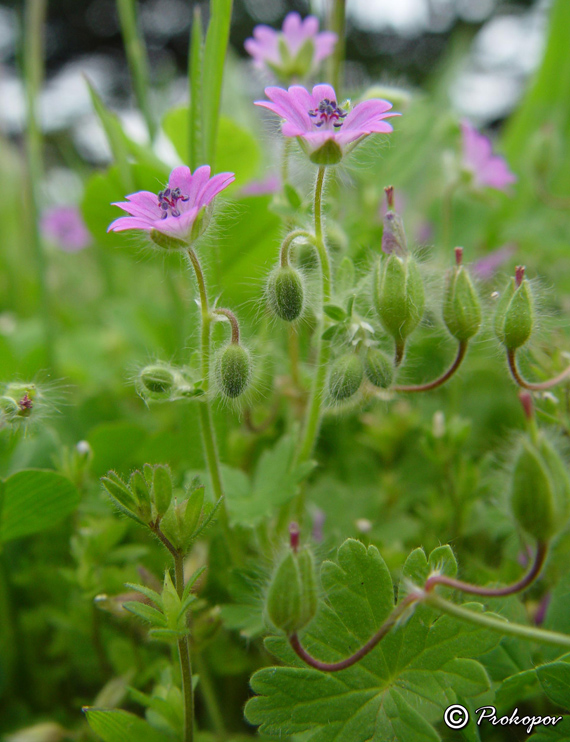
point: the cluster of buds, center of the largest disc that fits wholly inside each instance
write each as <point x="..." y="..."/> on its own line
<point x="149" y="499"/>
<point x="515" y="314"/>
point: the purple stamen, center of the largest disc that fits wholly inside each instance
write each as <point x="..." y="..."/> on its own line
<point x="328" y="112"/>
<point x="167" y="201"/>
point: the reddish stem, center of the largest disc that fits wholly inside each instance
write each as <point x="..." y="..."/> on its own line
<point x="233" y="322"/>
<point x="461" y="351"/>
<point x="494" y="592"/>
<point x="540" y="386"/>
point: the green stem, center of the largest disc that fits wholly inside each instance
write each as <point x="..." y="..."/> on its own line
<point x="185" y="660"/>
<point x="196" y="156"/>
<point x="137" y="59"/>
<point x="208" y="692"/>
<point x="337" y="24"/>
<point x="286" y="244"/>
<point x="33" y="63"/>
<point x="313" y="415"/>
<point x="530" y="633"/>
<point x="205" y="410"/>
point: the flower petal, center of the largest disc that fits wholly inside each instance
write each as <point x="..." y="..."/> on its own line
<point x="129" y="222"/>
<point x="320" y="92"/>
<point x="364" y="114"/>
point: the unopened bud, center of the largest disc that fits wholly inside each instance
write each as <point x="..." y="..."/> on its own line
<point x="461" y="306"/>
<point x="9" y="409"/>
<point x="286" y="293"/>
<point x="292" y="596"/>
<point x="514" y="317"/>
<point x="393" y="233"/>
<point x="233" y="370"/>
<point x="345" y="377"/>
<point x="398" y="294"/>
<point x="156" y="382"/>
<point x="532" y="493"/>
<point x="378" y="368"/>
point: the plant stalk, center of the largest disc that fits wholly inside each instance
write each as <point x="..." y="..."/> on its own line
<point x="185" y="659"/>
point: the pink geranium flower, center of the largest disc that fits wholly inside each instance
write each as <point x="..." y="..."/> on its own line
<point x="486" y="168"/>
<point x="324" y="130"/>
<point x="64" y="226"/>
<point x="175" y="210"/>
<point x="295" y="51"/>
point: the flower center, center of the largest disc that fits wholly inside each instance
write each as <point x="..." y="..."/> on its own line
<point x="328" y="113"/>
<point x="168" y="200"/>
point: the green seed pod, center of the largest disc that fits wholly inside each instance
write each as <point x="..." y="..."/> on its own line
<point x="161" y="488"/>
<point x="345" y="377"/>
<point x="378" y="368"/>
<point x="286" y="293"/>
<point x="461" y="306"/>
<point x="514" y="318"/>
<point x="398" y="293"/>
<point x="233" y="370"/>
<point x="532" y="494"/>
<point x="156" y="382"/>
<point x="291" y="601"/>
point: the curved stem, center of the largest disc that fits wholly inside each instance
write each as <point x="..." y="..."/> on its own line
<point x="265" y="424"/>
<point x="540" y="386"/>
<point x="502" y="626"/>
<point x="185" y="660"/>
<point x="233" y="322"/>
<point x="313" y="415"/>
<point x="494" y="592"/>
<point x="388" y="624"/>
<point x="286" y="244"/>
<point x="461" y="351"/>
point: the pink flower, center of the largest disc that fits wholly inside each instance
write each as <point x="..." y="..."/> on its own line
<point x="64" y="226"/>
<point x="174" y="210"/>
<point x="323" y="128"/>
<point x="270" y="184"/>
<point x="486" y="168"/>
<point x="295" y="51"/>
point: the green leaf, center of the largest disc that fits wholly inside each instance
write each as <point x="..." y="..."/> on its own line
<point x="33" y="501"/>
<point x="146" y="612"/>
<point x="398" y="690"/>
<point x="334" y="312"/>
<point x="558" y="733"/>
<point x="120" y="726"/>
<point x="215" y="47"/>
<point x="274" y="484"/>
<point x="554" y="678"/>
<point x="152" y="595"/>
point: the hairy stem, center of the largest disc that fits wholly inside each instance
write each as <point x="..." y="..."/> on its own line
<point x="540" y="386"/>
<point x="461" y="351"/>
<point x="185" y="659"/>
<point x="313" y="414"/>
<point x="388" y="624"/>
<point x="287" y="242"/>
<point x="233" y="322"/>
<point x="494" y="592"/>
<point x="504" y="627"/>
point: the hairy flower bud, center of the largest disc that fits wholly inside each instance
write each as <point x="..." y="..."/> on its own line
<point x="233" y="370"/>
<point x="398" y="293"/>
<point x="514" y="317"/>
<point x="461" y="305"/>
<point x="533" y="493"/>
<point x="345" y="377"/>
<point x="291" y="601"/>
<point x="378" y="368"/>
<point x="156" y="382"/>
<point x="286" y="293"/>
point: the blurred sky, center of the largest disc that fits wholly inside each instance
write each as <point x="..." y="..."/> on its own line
<point x="389" y="41"/>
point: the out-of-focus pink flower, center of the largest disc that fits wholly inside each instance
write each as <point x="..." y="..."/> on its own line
<point x="270" y="184"/>
<point x="486" y="267"/>
<point x="64" y="226"/>
<point x="486" y="168"/>
<point x="174" y="210"/>
<point x="323" y="129"/>
<point x="295" y="51"/>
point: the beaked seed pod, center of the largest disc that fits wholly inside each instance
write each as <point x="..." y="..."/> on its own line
<point x="378" y="368"/>
<point x="514" y="317"/>
<point x="532" y="494"/>
<point x="291" y="601"/>
<point x="156" y="382"/>
<point x="345" y="377"/>
<point x="398" y="293"/>
<point x="461" y="306"/>
<point x="233" y="370"/>
<point x="286" y="293"/>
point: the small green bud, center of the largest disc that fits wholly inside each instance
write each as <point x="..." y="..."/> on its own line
<point x="514" y="317"/>
<point x="461" y="306"/>
<point x="286" y="293"/>
<point x="292" y="596"/>
<point x="378" y="368"/>
<point x="398" y="293"/>
<point x="9" y="409"/>
<point x="161" y="488"/>
<point x="156" y="382"/>
<point x="532" y="493"/>
<point x="233" y="370"/>
<point x="345" y="377"/>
